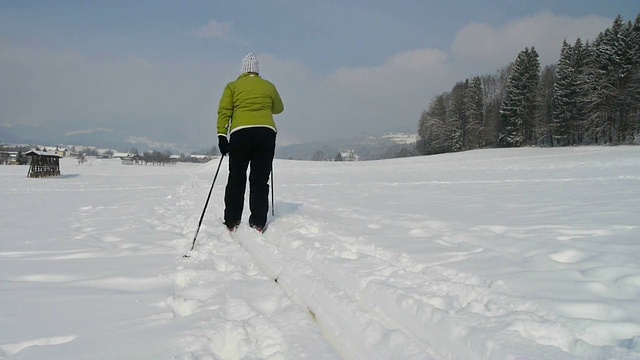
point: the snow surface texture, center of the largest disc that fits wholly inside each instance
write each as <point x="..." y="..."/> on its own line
<point x="493" y="254"/>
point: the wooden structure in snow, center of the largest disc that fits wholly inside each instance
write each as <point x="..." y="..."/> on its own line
<point x="43" y="164"/>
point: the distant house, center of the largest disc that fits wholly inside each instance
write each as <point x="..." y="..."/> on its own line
<point x="349" y="155"/>
<point x="43" y="164"/>
<point x="127" y="159"/>
<point x="121" y="155"/>
<point x="174" y="159"/>
<point x="201" y="158"/>
<point x="13" y="158"/>
<point x="60" y="151"/>
<point x="8" y="157"/>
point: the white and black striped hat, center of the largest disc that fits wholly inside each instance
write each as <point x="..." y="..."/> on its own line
<point x="250" y="64"/>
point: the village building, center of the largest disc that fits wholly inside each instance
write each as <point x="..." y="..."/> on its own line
<point x="127" y="159"/>
<point x="349" y="155"/>
<point x="201" y="158"/>
<point x="60" y="151"/>
<point x="8" y="157"/>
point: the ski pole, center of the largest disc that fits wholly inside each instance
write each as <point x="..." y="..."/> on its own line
<point x="273" y="204"/>
<point x="205" y="208"/>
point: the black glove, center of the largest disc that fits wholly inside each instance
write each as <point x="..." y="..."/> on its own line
<point x="223" y="144"/>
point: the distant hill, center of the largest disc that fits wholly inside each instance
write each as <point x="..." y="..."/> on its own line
<point x="101" y="137"/>
<point x="366" y="147"/>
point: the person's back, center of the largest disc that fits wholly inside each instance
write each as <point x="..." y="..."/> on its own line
<point x="245" y="115"/>
<point x="248" y="101"/>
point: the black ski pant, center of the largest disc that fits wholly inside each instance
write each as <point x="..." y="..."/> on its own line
<point x="253" y="146"/>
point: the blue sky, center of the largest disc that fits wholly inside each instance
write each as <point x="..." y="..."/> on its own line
<point x="343" y="67"/>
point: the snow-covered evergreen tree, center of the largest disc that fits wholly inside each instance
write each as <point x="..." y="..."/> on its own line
<point x="475" y="114"/>
<point x="610" y="84"/>
<point x="435" y="131"/>
<point x="564" y="116"/>
<point x="624" y="54"/>
<point x="569" y="110"/>
<point x="458" y="116"/>
<point x="422" y="145"/>
<point x="518" y="108"/>
<point x="634" y="87"/>
<point x="546" y="105"/>
<point x="494" y="91"/>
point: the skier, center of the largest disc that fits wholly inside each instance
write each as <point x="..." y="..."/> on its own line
<point x="247" y="132"/>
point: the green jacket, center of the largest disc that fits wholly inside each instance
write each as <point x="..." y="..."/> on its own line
<point x="249" y="101"/>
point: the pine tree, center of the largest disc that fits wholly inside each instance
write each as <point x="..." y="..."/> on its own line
<point x="569" y="110"/>
<point x="615" y="55"/>
<point x="532" y="78"/>
<point x="475" y="114"/>
<point x="546" y="104"/>
<point x="564" y="93"/>
<point x="624" y="49"/>
<point x="494" y="92"/>
<point x="598" y="93"/>
<point x="634" y="86"/>
<point x="423" y="134"/>
<point x="518" y="108"/>
<point x="434" y="129"/>
<point x="458" y="116"/>
<point x="610" y="84"/>
<point x="580" y="57"/>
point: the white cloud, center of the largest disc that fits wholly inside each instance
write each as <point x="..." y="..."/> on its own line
<point x="356" y="100"/>
<point x="483" y="43"/>
<point x="387" y="96"/>
<point x="404" y="70"/>
<point x="214" y="29"/>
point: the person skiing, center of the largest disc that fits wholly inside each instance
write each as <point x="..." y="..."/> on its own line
<point x="247" y="132"/>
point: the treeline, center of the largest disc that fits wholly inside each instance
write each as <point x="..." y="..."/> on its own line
<point x="20" y="159"/>
<point x="592" y="96"/>
<point x="154" y="157"/>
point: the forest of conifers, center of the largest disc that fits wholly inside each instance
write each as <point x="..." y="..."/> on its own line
<point x="591" y="96"/>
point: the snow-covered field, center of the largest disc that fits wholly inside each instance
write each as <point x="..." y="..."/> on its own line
<point x="493" y="254"/>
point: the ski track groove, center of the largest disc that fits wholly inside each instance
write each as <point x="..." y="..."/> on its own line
<point x="334" y="301"/>
<point x="235" y="311"/>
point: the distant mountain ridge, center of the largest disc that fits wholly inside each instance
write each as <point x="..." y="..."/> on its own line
<point x="101" y="137"/>
<point x="366" y="147"/>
